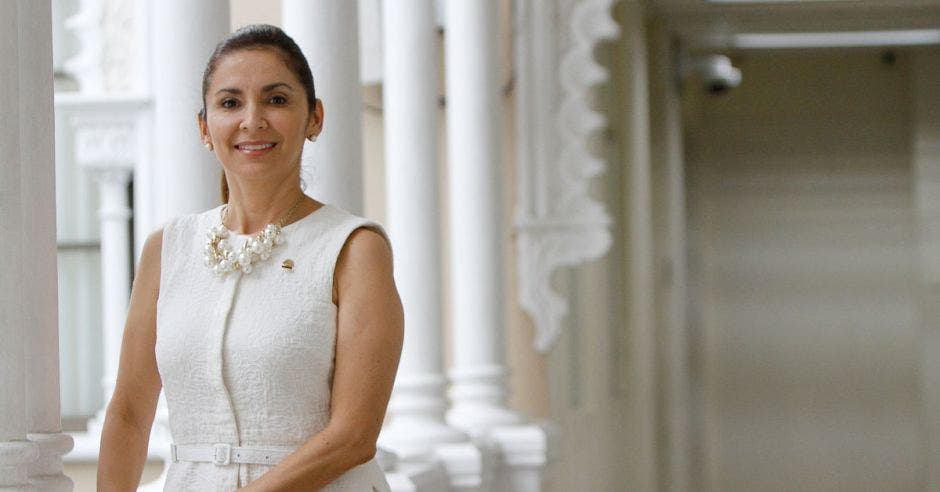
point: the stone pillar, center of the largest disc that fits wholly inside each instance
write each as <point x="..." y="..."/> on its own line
<point x="327" y="32"/>
<point x="39" y="254"/>
<point x="115" y="214"/>
<point x="105" y="147"/>
<point x="185" y="177"/>
<point x="410" y="112"/>
<point x="31" y="438"/>
<point x="15" y="451"/>
<point x="416" y="431"/>
<point x="474" y="119"/>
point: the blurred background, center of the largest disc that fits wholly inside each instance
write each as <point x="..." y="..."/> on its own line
<point x="752" y="278"/>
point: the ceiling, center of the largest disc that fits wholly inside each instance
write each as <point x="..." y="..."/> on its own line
<point x="699" y="23"/>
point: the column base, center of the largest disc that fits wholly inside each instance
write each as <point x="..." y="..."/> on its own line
<point x="470" y="467"/>
<point x="526" y="452"/>
<point x="477" y="418"/>
<point x="46" y="472"/>
<point x="15" y="458"/>
<point x="417" y="477"/>
<point x="412" y="439"/>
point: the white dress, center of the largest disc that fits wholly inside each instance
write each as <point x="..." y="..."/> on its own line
<point x="247" y="360"/>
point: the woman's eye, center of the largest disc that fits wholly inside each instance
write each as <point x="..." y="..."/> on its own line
<point x="279" y="100"/>
<point x="228" y="103"/>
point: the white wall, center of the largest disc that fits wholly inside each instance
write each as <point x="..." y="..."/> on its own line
<point x="804" y="262"/>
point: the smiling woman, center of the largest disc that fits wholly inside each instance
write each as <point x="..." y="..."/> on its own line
<point x="278" y="355"/>
<point x="256" y="118"/>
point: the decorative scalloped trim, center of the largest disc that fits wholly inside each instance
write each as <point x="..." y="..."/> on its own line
<point x="576" y="227"/>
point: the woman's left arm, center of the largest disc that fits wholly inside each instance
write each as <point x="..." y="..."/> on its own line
<point x="369" y="333"/>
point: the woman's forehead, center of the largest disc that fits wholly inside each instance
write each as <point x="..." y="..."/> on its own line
<point x="252" y="67"/>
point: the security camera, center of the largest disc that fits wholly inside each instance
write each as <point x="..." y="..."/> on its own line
<point x="715" y="72"/>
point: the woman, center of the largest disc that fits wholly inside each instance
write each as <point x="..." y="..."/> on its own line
<point x="272" y="322"/>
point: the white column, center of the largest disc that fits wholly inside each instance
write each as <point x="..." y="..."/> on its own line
<point x="15" y="451"/>
<point x="144" y="201"/>
<point x="39" y="254"/>
<point x="31" y="439"/>
<point x="413" y="218"/>
<point x="327" y="32"/>
<point x="114" y="215"/>
<point x="474" y="153"/>
<point x="416" y="431"/>
<point x="185" y="176"/>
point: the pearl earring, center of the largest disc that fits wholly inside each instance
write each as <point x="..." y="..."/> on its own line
<point x="312" y="138"/>
<point x="209" y="146"/>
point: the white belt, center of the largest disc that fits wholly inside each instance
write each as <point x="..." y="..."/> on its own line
<point x="225" y="454"/>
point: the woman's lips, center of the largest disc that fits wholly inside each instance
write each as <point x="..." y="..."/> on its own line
<point x="255" y="148"/>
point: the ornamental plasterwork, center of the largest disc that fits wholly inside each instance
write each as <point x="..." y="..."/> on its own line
<point x="103" y="141"/>
<point x="87" y="66"/>
<point x="104" y="61"/>
<point x="558" y="222"/>
<point x="120" y="46"/>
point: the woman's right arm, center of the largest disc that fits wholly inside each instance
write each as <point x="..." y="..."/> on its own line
<point x="129" y="417"/>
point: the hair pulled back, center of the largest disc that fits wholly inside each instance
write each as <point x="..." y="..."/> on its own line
<point x="260" y="36"/>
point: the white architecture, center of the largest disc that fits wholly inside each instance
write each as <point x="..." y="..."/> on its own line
<point x="327" y="33"/>
<point x="416" y="431"/>
<point x="31" y="438"/>
<point x="413" y="222"/>
<point x="474" y="157"/>
<point x="113" y="130"/>
<point x="564" y="331"/>
<point x="185" y="178"/>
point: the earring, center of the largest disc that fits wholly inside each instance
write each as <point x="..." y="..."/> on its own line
<point x="209" y="146"/>
<point x="312" y="138"/>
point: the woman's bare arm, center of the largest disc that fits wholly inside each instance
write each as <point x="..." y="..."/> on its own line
<point x="368" y="346"/>
<point x="129" y="417"/>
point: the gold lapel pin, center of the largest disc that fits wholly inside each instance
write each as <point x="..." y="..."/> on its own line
<point x="288" y="264"/>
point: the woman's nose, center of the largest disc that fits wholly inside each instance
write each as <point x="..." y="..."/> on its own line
<point x="254" y="118"/>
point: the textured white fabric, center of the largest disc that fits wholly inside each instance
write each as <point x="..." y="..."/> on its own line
<point x="247" y="360"/>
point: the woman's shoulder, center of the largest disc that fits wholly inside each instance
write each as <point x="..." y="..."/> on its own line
<point x="186" y="224"/>
<point x="350" y="224"/>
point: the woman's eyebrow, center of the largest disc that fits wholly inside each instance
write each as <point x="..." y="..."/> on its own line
<point x="267" y="88"/>
<point x="271" y="87"/>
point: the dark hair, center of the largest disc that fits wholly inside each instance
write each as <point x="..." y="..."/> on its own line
<point x="260" y="36"/>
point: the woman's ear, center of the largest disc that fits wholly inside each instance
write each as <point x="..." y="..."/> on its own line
<point x="315" y="122"/>
<point x="203" y="128"/>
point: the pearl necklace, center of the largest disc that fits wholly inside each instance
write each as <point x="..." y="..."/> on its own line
<point x="222" y="259"/>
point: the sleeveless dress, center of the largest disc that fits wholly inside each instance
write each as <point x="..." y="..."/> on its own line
<point x="247" y="360"/>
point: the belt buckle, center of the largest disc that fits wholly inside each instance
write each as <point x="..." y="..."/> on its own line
<point x="222" y="454"/>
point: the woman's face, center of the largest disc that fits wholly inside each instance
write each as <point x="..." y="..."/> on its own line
<point x="257" y="116"/>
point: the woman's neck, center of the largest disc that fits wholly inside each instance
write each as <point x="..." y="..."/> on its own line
<point x="250" y="210"/>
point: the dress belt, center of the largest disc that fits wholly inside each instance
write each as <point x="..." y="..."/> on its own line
<point x="225" y="454"/>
